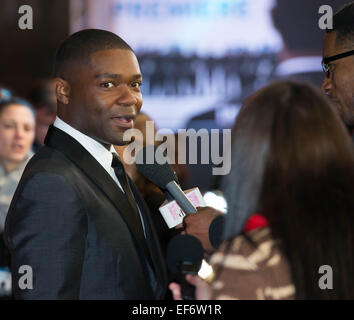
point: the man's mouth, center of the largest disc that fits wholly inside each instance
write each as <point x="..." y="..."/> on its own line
<point x="124" y="121"/>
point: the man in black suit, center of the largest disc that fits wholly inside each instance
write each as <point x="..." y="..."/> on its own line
<point x="76" y="219"/>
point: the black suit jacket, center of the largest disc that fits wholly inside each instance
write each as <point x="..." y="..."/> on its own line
<point x="66" y="221"/>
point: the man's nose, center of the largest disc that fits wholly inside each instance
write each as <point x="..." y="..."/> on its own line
<point x="127" y="96"/>
<point x="326" y="85"/>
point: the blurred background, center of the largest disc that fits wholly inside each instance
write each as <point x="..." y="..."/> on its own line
<point x="199" y="58"/>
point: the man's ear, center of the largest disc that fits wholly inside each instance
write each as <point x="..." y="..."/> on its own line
<point x="62" y="90"/>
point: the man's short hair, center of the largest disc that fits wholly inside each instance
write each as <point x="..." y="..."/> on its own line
<point x="78" y="47"/>
<point x="343" y="25"/>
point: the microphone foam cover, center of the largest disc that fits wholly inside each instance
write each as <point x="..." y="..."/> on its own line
<point x="184" y="248"/>
<point x="159" y="174"/>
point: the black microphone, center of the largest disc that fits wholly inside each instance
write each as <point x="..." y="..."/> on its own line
<point x="163" y="176"/>
<point x="184" y="256"/>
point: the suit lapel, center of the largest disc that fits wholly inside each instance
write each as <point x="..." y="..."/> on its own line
<point x="72" y="149"/>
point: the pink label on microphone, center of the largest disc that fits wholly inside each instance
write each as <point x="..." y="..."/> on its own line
<point x="175" y="210"/>
<point x="193" y="197"/>
<point x="173" y="214"/>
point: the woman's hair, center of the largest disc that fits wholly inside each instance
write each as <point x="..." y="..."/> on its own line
<point x="293" y="160"/>
<point x="16" y="100"/>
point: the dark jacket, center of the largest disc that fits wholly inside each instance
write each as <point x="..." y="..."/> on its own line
<point x="67" y="222"/>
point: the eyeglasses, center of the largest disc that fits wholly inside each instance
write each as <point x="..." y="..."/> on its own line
<point x="325" y="62"/>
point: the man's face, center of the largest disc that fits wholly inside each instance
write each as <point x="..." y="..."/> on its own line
<point x="105" y="96"/>
<point x="339" y="86"/>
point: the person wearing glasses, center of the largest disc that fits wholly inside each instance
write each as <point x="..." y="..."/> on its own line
<point x="299" y="60"/>
<point x="338" y="64"/>
<point x="300" y="56"/>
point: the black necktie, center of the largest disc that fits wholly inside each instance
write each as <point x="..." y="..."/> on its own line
<point x="134" y="222"/>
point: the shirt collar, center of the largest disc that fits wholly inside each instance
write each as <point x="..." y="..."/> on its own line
<point x="96" y="149"/>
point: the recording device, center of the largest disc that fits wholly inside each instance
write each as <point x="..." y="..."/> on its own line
<point x="184" y="256"/>
<point x="164" y="177"/>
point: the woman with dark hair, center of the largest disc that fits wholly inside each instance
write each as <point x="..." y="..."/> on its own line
<point x="293" y="161"/>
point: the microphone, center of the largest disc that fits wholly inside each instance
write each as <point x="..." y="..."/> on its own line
<point x="164" y="177"/>
<point x="184" y="256"/>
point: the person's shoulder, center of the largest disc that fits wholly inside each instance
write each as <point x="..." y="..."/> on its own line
<point x="250" y="251"/>
<point x="252" y="267"/>
<point x="48" y="160"/>
<point x="47" y="169"/>
<point x="248" y="241"/>
<point x="258" y="236"/>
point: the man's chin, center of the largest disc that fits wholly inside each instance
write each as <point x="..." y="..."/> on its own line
<point x="113" y="140"/>
<point x="121" y="143"/>
<point x="117" y="137"/>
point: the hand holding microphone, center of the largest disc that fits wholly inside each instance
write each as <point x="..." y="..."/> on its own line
<point x="198" y="223"/>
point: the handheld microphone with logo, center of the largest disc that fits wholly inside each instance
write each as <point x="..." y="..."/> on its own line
<point x="184" y="256"/>
<point x="164" y="177"/>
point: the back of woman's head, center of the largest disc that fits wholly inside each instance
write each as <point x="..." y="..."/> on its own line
<point x="297" y="160"/>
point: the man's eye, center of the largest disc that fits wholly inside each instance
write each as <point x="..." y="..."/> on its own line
<point x="136" y="84"/>
<point x="330" y="67"/>
<point x="107" y="85"/>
